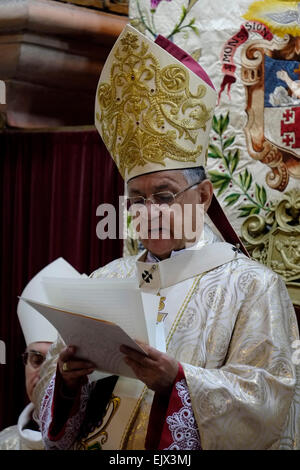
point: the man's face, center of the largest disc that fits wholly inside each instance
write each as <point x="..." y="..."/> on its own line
<point x="157" y="237"/>
<point x="36" y="353"/>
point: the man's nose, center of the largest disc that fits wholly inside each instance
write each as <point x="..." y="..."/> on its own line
<point x="153" y="210"/>
<point x="148" y="203"/>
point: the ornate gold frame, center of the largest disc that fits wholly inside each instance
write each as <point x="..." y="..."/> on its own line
<point x="274" y="240"/>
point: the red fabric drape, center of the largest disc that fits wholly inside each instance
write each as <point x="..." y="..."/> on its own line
<point x="51" y="185"/>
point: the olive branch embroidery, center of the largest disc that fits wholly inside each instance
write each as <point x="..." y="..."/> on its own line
<point x="145" y="22"/>
<point x="243" y="182"/>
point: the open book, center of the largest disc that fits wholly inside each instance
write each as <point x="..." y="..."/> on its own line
<point x="98" y="315"/>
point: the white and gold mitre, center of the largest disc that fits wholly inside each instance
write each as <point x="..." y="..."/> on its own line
<point x="152" y="111"/>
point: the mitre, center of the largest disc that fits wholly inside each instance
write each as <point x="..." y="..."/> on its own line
<point x="152" y="111"/>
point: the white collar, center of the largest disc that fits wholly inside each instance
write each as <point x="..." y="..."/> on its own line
<point x="31" y="438"/>
<point x="208" y="237"/>
<point x="189" y="263"/>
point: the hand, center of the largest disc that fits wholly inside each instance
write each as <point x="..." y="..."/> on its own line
<point x="157" y="370"/>
<point x="72" y="369"/>
<point x="282" y="75"/>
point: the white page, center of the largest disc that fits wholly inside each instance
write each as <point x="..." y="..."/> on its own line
<point x="155" y="330"/>
<point x="118" y="301"/>
<point x="95" y="340"/>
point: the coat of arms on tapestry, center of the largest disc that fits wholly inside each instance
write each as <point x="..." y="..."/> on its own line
<point x="270" y="72"/>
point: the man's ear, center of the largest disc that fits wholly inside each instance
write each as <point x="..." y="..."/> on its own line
<point x="206" y="193"/>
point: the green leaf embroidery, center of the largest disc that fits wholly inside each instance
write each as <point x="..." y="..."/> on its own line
<point x="244" y="180"/>
<point x="146" y="23"/>
<point x="235" y="161"/>
<point x="195" y="29"/>
<point x="248" y="209"/>
<point x="228" y="142"/>
<point x="263" y="196"/>
<point x="227" y="160"/>
<point x="219" y="180"/>
<point x="223" y="187"/>
<point x="216" y="125"/>
<point x="224" y="121"/>
<point x="248" y="180"/>
<point x="215" y="152"/>
<point x="191" y="4"/>
<point x="232" y="198"/>
<point x="241" y="180"/>
<point x="260" y="194"/>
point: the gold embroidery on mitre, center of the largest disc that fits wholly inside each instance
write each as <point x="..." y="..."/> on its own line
<point x="147" y="113"/>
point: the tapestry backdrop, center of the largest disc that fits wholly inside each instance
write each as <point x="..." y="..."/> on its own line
<point x="251" y="51"/>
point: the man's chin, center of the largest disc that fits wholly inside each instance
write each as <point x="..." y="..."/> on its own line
<point x="161" y="248"/>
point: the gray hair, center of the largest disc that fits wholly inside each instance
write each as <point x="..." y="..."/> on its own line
<point x="194" y="175"/>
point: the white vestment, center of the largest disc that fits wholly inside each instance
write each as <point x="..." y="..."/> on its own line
<point x="232" y="330"/>
<point x="19" y="437"/>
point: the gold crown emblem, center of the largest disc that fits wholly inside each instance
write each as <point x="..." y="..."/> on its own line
<point x="151" y="111"/>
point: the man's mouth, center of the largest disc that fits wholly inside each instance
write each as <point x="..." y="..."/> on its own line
<point x="158" y="233"/>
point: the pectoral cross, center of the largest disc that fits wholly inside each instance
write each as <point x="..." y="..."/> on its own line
<point x="147" y="277"/>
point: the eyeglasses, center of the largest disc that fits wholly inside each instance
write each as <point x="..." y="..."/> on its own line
<point x="163" y="197"/>
<point x="34" y="358"/>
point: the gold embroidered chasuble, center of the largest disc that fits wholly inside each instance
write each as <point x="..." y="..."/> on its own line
<point x="231" y="329"/>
